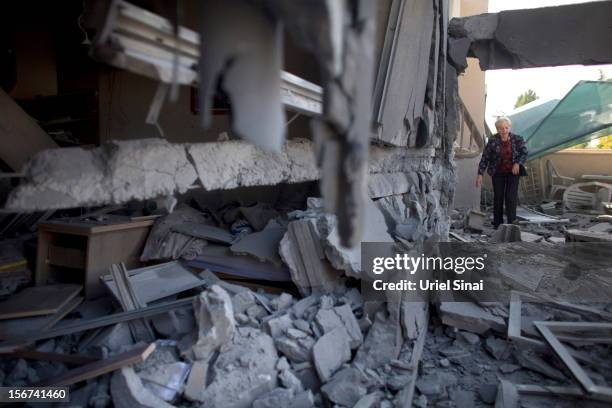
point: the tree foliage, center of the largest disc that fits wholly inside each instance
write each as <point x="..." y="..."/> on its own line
<point x="526" y="97"/>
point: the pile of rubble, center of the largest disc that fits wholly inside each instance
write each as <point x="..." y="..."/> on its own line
<point x="205" y="331"/>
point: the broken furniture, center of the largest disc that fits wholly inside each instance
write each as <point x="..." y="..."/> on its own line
<point x="156" y="282"/>
<point x="89" y="248"/>
<point x="37" y="309"/>
<point x="556" y="181"/>
<point x="586" y="196"/>
<point x="551" y="331"/>
<point x="100" y="367"/>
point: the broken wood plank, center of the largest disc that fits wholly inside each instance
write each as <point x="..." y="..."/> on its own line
<point x="203" y="231"/>
<point x="515" y="318"/>
<point x="129" y="302"/>
<point x="550" y="390"/>
<point x="77" y="359"/>
<point x="38" y="300"/>
<point x="104" y="321"/>
<point x="26" y="325"/>
<point x="156" y="282"/>
<point x="101" y="367"/>
<point x="595" y="391"/>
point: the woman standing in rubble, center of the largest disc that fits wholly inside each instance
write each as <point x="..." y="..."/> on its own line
<point x="503" y="158"/>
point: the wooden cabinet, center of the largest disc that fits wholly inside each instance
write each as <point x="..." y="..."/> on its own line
<point x="88" y="248"/>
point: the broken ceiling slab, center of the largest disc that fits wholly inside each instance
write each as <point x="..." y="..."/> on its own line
<point x="234" y="164"/>
<point x="117" y="172"/>
<point x="390" y="184"/>
<point x="537" y="37"/>
<point x="120" y="171"/>
<point x="141" y="169"/>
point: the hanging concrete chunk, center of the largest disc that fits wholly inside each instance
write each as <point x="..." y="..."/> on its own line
<point x="536" y="37"/>
<point x="349" y="259"/>
<point x="400" y="116"/>
<point x="246" y="64"/>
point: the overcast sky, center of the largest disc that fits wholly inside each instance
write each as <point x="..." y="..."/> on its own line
<point x="504" y="86"/>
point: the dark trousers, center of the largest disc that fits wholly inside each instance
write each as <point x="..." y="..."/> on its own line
<point x="505" y="190"/>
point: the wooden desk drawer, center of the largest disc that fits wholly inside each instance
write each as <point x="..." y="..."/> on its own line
<point x="66" y="257"/>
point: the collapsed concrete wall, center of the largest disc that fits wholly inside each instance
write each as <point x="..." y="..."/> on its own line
<point x="417" y="170"/>
<point x="547" y="36"/>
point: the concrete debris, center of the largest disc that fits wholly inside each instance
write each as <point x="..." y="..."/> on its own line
<point x="507" y="233"/>
<point x="346" y="387"/>
<point x="348" y="259"/>
<point x="532" y="361"/>
<point x="475" y="220"/>
<point x="258" y="215"/>
<point x="301" y="250"/>
<point x="429" y="385"/>
<point x="277" y="326"/>
<point x="330" y="352"/>
<point x="243" y="300"/>
<point x="174" y="323"/>
<point x="529" y="237"/>
<point x="165" y="380"/>
<point x="278" y="397"/>
<point x="282" y="302"/>
<point x="487" y="393"/>
<point x="244" y="370"/>
<point x="369" y="401"/>
<point x="498" y="348"/>
<point x="469" y="338"/>
<point x="215" y="321"/>
<point x="246" y="64"/>
<point x="128" y="391"/>
<point x="120" y="171"/>
<point x="507" y="395"/>
<point x="297" y="351"/>
<point x="350" y="324"/>
<point x="385" y="330"/>
<point x="290" y="381"/>
<point x="470" y="317"/>
<point x="262" y="245"/>
<point x="197" y="380"/>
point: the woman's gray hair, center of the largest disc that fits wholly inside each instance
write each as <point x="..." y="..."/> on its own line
<point x="503" y="119"/>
